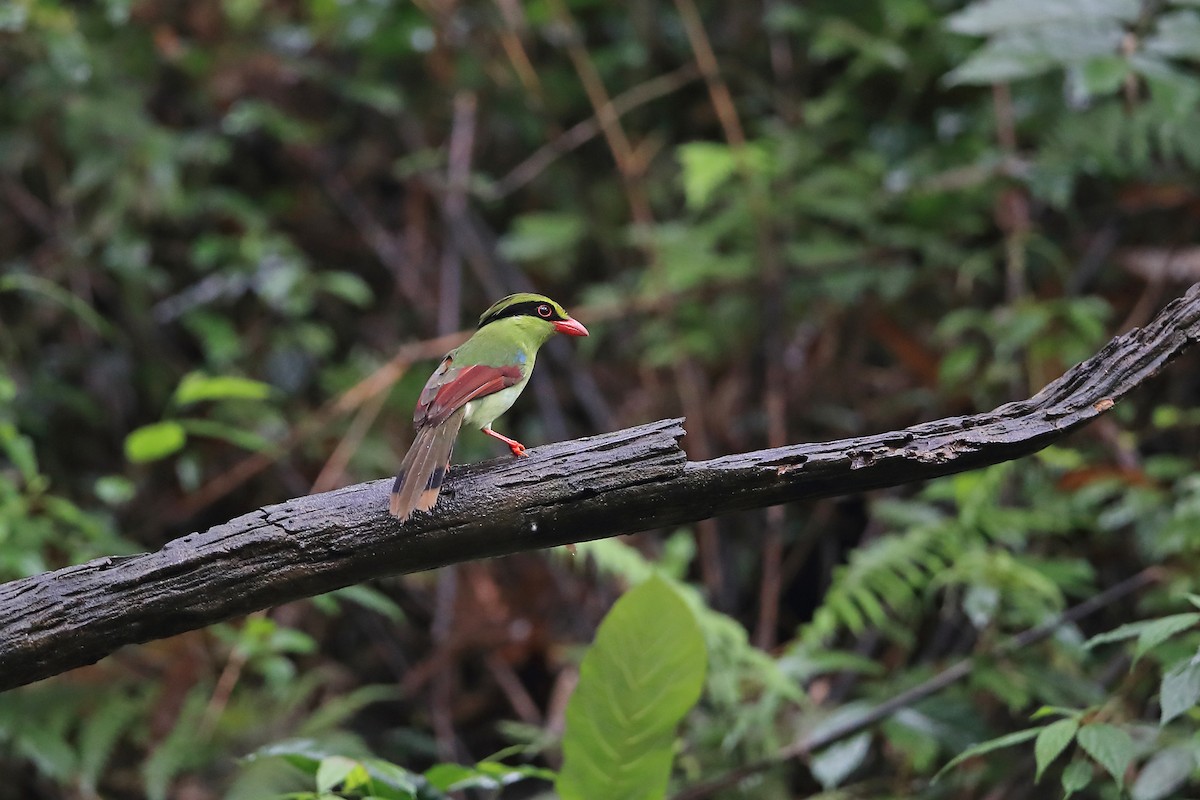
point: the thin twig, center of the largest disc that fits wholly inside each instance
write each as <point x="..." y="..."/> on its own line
<point x="581" y="133"/>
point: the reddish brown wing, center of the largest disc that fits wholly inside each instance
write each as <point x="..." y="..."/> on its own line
<point x="451" y="387"/>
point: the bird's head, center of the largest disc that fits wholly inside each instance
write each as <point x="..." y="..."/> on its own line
<point x="537" y="314"/>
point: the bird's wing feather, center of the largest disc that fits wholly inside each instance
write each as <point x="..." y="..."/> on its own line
<point x="450" y="388"/>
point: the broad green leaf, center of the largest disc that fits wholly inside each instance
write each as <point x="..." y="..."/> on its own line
<point x="114" y="490"/>
<point x="1076" y="777"/>
<point x="196" y="387"/>
<point x="642" y="674"/>
<point x="1149" y="632"/>
<point x="992" y="16"/>
<point x="1176" y="35"/>
<point x="708" y="166"/>
<point x="484" y="775"/>
<point x="305" y="755"/>
<point x="544" y="236"/>
<point x="347" y="286"/>
<point x="152" y="442"/>
<point x="1104" y="75"/>
<point x="1027" y="52"/>
<point x="1110" y="746"/>
<point x="1180" y="690"/>
<point x="833" y="765"/>
<point x="1052" y="741"/>
<point x="400" y="781"/>
<point x="333" y="771"/>
<point x="1159" y="630"/>
<point x="999" y="743"/>
<point x="1164" y="774"/>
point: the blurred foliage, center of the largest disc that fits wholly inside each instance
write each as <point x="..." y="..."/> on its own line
<point x="229" y="229"/>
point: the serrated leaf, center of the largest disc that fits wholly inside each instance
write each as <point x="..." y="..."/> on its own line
<point x="1076" y="777"/>
<point x="152" y="442"/>
<point x="642" y="674"/>
<point x="1179" y="691"/>
<point x="196" y="387"/>
<point x="1163" y="774"/>
<point x="999" y="743"/>
<point x="1051" y="742"/>
<point x="1111" y="747"/>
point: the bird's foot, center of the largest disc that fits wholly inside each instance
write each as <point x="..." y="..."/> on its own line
<point x="516" y="447"/>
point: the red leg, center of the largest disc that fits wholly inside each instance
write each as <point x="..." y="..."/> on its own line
<point x="517" y="448"/>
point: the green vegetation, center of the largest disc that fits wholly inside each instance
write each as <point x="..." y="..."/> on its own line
<point x="230" y="229"/>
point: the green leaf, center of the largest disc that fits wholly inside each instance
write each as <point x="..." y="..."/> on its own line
<point x="333" y="771"/>
<point x="707" y="166"/>
<point x="1159" y="630"/>
<point x="305" y="755"/>
<point x="99" y="734"/>
<point x="152" y="442"/>
<point x="1027" y="52"/>
<point x="545" y="236"/>
<point x="1176" y="35"/>
<point x="1110" y="746"/>
<point x="642" y="674"/>
<point x="1164" y="774"/>
<point x="993" y="16"/>
<point x="1104" y="75"/>
<point x="1180" y="690"/>
<point x="1076" y="777"/>
<point x="1052" y="741"/>
<point x="999" y="743"/>
<point x="196" y="387"/>
<point x="114" y="490"/>
<point x="1150" y="633"/>
<point x="348" y="287"/>
<point x="833" y="765"/>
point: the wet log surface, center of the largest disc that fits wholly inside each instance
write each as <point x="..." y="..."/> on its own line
<point x="589" y="488"/>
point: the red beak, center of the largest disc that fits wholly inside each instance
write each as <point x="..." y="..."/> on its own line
<point x="570" y="327"/>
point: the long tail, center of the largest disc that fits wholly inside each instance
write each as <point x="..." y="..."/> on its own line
<point x="424" y="468"/>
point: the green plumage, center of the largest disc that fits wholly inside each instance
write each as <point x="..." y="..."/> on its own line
<point x="475" y="383"/>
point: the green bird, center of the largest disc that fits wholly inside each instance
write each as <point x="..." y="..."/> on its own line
<point x="475" y="383"/>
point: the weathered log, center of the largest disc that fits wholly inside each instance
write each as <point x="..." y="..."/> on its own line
<point x="583" y="489"/>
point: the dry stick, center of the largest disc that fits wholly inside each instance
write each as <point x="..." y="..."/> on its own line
<point x="620" y="482"/>
<point x="947" y="677"/>
<point x="581" y="133"/>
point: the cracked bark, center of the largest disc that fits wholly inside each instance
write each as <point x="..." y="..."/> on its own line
<point x="606" y="485"/>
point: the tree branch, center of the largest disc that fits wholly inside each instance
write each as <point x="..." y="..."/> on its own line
<point x="616" y="483"/>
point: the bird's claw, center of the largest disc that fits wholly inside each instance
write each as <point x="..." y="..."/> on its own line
<point x="518" y="450"/>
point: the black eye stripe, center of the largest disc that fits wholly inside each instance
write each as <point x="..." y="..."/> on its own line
<point x="529" y="308"/>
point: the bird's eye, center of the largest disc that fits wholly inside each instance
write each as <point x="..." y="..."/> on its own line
<point x="544" y="311"/>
